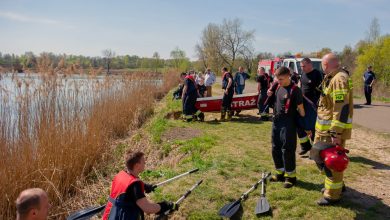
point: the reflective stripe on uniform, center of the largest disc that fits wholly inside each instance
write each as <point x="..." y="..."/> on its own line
<point x="304" y="139"/>
<point x="290" y="174"/>
<point x="329" y="184"/>
<point x="336" y="123"/>
<point x="323" y="125"/>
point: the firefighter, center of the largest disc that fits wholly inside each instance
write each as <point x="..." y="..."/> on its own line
<point x="127" y="199"/>
<point x="310" y="82"/>
<point x="334" y="121"/>
<point x="228" y="91"/>
<point x="189" y="96"/>
<point x="263" y="83"/>
<point x="287" y="106"/>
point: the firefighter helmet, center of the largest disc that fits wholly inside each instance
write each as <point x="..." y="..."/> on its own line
<point x="335" y="158"/>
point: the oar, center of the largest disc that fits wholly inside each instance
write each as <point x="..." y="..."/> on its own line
<point x="165" y="214"/>
<point x="177" y="177"/>
<point x="86" y="213"/>
<point x="91" y="211"/>
<point x="262" y="204"/>
<point x="230" y="209"/>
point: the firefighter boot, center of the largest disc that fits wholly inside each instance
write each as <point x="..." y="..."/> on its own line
<point x="289" y="182"/>
<point x="201" y="116"/>
<point x="279" y="177"/>
<point x="229" y="115"/>
<point x="223" y="115"/>
<point x="326" y="202"/>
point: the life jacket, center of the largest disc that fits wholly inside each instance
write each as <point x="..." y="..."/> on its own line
<point x="191" y="89"/>
<point x="117" y="208"/>
<point x="288" y="101"/>
<point x="225" y="80"/>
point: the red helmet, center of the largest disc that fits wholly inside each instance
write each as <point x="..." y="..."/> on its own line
<point x="335" y="158"/>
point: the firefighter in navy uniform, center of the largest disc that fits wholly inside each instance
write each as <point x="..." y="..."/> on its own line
<point x="334" y="123"/>
<point x="310" y="82"/>
<point x="189" y="96"/>
<point x="228" y="91"/>
<point x="127" y="199"/>
<point x="288" y="103"/>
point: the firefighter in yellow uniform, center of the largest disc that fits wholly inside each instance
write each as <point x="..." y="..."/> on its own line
<point x="334" y="121"/>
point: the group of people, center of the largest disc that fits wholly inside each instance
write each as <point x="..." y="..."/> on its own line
<point x="194" y="86"/>
<point x="317" y="109"/>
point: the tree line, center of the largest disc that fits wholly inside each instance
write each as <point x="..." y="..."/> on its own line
<point x="226" y="44"/>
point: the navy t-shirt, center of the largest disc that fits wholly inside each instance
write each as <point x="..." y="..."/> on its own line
<point x="191" y="88"/>
<point x="369" y="76"/>
<point x="282" y="94"/>
<point x="310" y="83"/>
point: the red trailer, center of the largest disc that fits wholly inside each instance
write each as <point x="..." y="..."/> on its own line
<point x="240" y="102"/>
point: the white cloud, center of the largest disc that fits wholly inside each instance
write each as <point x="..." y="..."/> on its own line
<point x="30" y="19"/>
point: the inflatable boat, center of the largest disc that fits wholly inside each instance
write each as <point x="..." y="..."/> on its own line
<point x="240" y="102"/>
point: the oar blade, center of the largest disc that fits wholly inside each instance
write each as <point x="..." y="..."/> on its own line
<point x="230" y="209"/>
<point x="86" y="213"/>
<point x="262" y="206"/>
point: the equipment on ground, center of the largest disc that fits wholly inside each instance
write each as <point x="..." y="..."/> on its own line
<point x="164" y="216"/>
<point x="262" y="205"/>
<point x="231" y="209"/>
<point x="91" y="211"/>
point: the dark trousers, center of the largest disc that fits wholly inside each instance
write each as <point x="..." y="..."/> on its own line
<point x="367" y="93"/>
<point x="227" y="100"/>
<point x="260" y="102"/>
<point x="189" y="105"/>
<point x="284" y="143"/>
<point x="307" y="123"/>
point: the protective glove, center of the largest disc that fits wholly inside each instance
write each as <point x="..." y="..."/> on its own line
<point x="149" y="188"/>
<point x="167" y="206"/>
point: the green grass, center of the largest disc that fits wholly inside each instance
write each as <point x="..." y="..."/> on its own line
<point x="231" y="157"/>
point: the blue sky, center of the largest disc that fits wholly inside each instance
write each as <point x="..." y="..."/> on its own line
<point x="86" y="27"/>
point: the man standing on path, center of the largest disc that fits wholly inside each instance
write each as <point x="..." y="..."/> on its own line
<point x="369" y="80"/>
<point x="228" y="91"/>
<point x="239" y="81"/>
<point x="32" y="204"/>
<point x="334" y="122"/>
<point x="209" y="80"/>
<point x="310" y="82"/>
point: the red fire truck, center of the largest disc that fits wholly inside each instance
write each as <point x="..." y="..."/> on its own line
<point x="270" y="64"/>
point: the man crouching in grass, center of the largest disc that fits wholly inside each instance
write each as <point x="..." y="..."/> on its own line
<point x="288" y="103"/>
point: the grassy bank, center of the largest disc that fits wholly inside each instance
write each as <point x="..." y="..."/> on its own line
<point x="53" y="133"/>
<point x="231" y="157"/>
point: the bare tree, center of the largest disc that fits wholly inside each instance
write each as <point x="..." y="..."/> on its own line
<point x="221" y="44"/>
<point x="108" y="54"/>
<point x="234" y="39"/>
<point x="156" y="61"/>
<point x="373" y="32"/>
<point x="248" y="56"/>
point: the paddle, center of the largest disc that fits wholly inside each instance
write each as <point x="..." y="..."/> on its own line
<point x="164" y="215"/>
<point x="230" y="209"/>
<point x="91" y="211"/>
<point x="262" y="204"/>
<point x="86" y="213"/>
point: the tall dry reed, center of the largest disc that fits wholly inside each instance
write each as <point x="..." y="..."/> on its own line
<point x="54" y="130"/>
